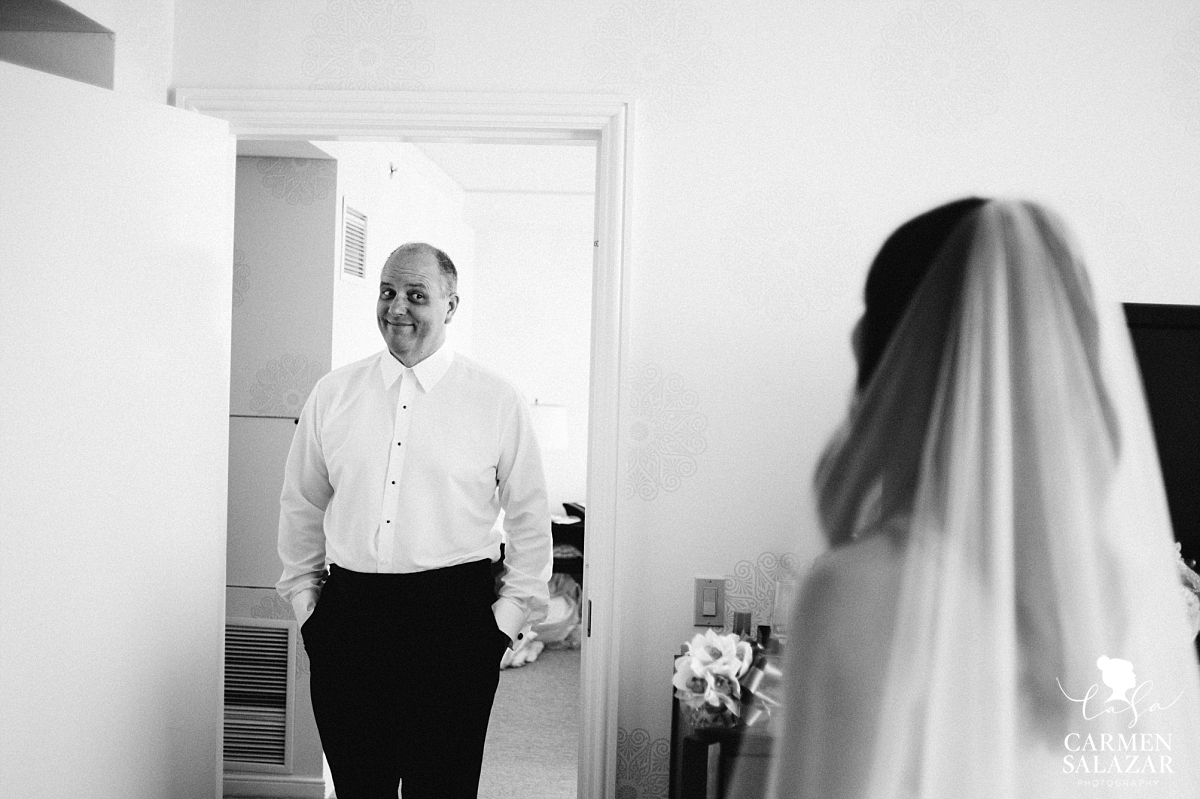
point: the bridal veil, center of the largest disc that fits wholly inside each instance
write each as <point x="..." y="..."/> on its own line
<point x="1039" y="645"/>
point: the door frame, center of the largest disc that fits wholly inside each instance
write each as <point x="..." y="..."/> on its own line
<point x="606" y="120"/>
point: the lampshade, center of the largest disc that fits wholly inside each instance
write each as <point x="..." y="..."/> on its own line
<point x="550" y="425"/>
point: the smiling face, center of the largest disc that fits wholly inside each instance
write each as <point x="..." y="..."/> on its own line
<point x="414" y="305"/>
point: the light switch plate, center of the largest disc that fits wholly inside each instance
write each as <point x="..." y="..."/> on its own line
<point x="714" y="620"/>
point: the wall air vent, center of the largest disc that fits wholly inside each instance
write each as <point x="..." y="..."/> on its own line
<point x="258" y="694"/>
<point x="354" y="244"/>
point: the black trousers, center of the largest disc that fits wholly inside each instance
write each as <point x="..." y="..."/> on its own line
<point x="404" y="669"/>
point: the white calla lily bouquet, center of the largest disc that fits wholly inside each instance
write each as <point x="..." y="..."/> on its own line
<point x="707" y="676"/>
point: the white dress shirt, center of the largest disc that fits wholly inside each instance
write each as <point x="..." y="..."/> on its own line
<point x="395" y="469"/>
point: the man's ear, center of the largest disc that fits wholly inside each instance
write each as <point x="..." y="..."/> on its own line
<point x="453" y="301"/>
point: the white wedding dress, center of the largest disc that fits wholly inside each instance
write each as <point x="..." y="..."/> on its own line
<point x="1000" y="531"/>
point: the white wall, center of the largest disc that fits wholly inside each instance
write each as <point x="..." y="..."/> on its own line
<point x="532" y="303"/>
<point x="777" y="145"/>
<point x="416" y="202"/>
<point x="144" y="38"/>
<point x="115" y="242"/>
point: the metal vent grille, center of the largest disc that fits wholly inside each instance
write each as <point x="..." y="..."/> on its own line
<point x="354" y="243"/>
<point x="256" y="694"/>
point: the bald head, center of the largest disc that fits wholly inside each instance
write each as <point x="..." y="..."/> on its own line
<point x="420" y="248"/>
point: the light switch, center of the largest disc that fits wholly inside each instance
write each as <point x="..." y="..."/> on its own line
<point x="710" y="602"/>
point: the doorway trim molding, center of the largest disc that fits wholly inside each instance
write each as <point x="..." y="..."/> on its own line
<point x="607" y="121"/>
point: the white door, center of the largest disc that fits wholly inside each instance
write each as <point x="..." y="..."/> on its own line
<point x="116" y="221"/>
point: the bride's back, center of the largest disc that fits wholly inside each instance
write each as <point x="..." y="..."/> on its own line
<point x="998" y="408"/>
<point x="835" y="669"/>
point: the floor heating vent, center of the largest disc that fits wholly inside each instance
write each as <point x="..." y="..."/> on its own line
<point x="259" y="689"/>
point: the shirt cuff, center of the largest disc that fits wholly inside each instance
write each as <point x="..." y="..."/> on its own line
<point x="510" y="618"/>
<point x="303" y="604"/>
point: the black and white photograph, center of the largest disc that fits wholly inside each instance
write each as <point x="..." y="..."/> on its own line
<point x="600" y="399"/>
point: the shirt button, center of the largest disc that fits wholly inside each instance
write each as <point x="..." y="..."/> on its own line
<point x="520" y="636"/>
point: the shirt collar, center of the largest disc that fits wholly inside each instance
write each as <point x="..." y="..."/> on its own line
<point x="428" y="372"/>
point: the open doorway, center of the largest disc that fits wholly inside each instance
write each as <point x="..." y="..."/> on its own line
<point x="299" y="116"/>
<point x="518" y="220"/>
<point x="532" y="209"/>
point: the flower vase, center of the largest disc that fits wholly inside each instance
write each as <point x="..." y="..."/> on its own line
<point x="706" y="717"/>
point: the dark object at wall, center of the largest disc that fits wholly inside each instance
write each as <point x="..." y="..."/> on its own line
<point x="568" y="539"/>
<point x="1167" y="341"/>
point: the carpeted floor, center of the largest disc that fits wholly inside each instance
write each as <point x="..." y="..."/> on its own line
<point x="533" y="738"/>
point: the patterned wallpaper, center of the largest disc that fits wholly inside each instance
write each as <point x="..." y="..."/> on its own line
<point x="284" y="250"/>
<point x="941" y="64"/>
<point x="664" y="432"/>
<point x="1181" y="76"/>
<point x="241" y="277"/>
<point x="283" y="384"/>
<point x="792" y="234"/>
<point x="368" y="44"/>
<point x="643" y="764"/>
<point x="298" y="181"/>
<point x="752" y="585"/>
<point x="661" y="50"/>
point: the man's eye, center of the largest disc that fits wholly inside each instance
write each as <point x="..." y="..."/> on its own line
<point x="385" y="294"/>
<point x="416" y="296"/>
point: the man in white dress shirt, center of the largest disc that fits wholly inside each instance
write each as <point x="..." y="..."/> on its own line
<point x="399" y="467"/>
